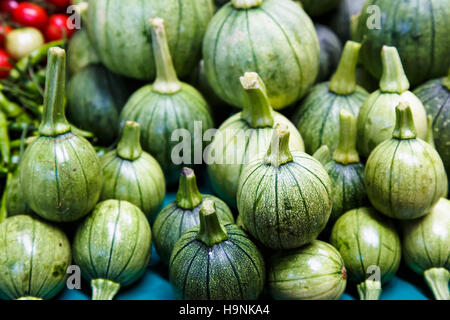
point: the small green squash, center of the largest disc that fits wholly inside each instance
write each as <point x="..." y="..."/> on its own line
<point x="376" y="119"/>
<point x="330" y="52"/>
<point x="112" y="247"/>
<point x="216" y="262"/>
<point x="313" y="272"/>
<point x="274" y="38"/>
<point x="318" y="7"/>
<point x="34" y="257"/>
<point x="341" y="20"/>
<point x="15" y="202"/>
<point x="318" y="116"/>
<point x="133" y="175"/>
<point x="426" y="247"/>
<point x="80" y="52"/>
<point x="370" y="247"/>
<point x="183" y="214"/>
<point x="60" y="172"/>
<point x="284" y="198"/>
<point x="243" y="136"/>
<point x="405" y="176"/>
<point x="165" y="106"/>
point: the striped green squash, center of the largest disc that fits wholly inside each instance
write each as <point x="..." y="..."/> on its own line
<point x="183" y="214"/>
<point x="80" y="52"/>
<point x="330" y="52"/>
<point x="313" y="272"/>
<point x="112" y="247"/>
<point x="34" y="257"/>
<point x="216" y="262"/>
<point x="318" y="7"/>
<point x="284" y="198"/>
<point x="274" y="38"/>
<point x="346" y="12"/>
<point x="133" y="175"/>
<point x="370" y="247"/>
<point x="317" y="117"/>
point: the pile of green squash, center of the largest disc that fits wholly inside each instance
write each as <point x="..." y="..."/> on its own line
<point x="330" y="164"/>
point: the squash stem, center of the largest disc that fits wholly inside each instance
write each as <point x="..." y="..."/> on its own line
<point x="29" y="298"/>
<point x="393" y="79"/>
<point x="343" y="81"/>
<point x="323" y="155"/>
<point x="437" y="279"/>
<point x="446" y="81"/>
<point x="404" y="126"/>
<point x="211" y="231"/>
<point x="54" y="120"/>
<point x="188" y="196"/>
<point x="129" y="147"/>
<point x="369" y="290"/>
<point x="103" y="289"/>
<point x="257" y="109"/>
<point x="279" y="153"/>
<point x="246" y="4"/>
<point x="166" y="77"/>
<point x="430" y="135"/>
<point x="346" y="152"/>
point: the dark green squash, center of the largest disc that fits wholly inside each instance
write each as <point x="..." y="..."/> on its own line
<point x="370" y="247"/>
<point x="426" y="247"/>
<point x="183" y="214"/>
<point x="244" y="136"/>
<point x="15" y="202"/>
<point x="165" y="106"/>
<point x="418" y="29"/>
<point x="80" y="52"/>
<point x="60" y="172"/>
<point x="216" y="262"/>
<point x="405" y="176"/>
<point x="284" y="198"/>
<point x="318" y="116"/>
<point x="318" y="7"/>
<point x="274" y="38"/>
<point x="133" y="175"/>
<point x="34" y="257"/>
<point x="112" y="247"/>
<point x="330" y="52"/>
<point x="313" y="272"/>
<point x="341" y="20"/>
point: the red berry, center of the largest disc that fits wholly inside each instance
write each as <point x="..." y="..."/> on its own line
<point x="8" y="6"/>
<point x="60" y="4"/>
<point x="29" y="14"/>
<point x="57" y="26"/>
<point x="5" y="65"/>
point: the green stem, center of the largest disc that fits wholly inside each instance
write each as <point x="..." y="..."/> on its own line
<point x="346" y="152"/>
<point x="54" y="120"/>
<point x="188" y="196"/>
<point x="246" y="4"/>
<point x="393" y="79"/>
<point x="211" y="231"/>
<point x="29" y="298"/>
<point x="279" y="153"/>
<point x="343" y="81"/>
<point x="257" y="109"/>
<point x="103" y="289"/>
<point x="446" y="81"/>
<point x="323" y="155"/>
<point x="404" y="125"/>
<point x="369" y="290"/>
<point x="129" y="146"/>
<point x="430" y="135"/>
<point x="437" y="279"/>
<point x="166" y="77"/>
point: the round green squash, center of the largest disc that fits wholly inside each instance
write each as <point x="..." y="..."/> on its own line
<point x="370" y="247"/>
<point x="376" y="119"/>
<point x="243" y="136"/>
<point x="165" y="107"/>
<point x="284" y="198"/>
<point x="133" y="175"/>
<point x="112" y="247"/>
<point x="60" y="174"/>
<point x="318" y="7"/>
<point x="330" y="52"/>
<point x="80" y="52"/>
<point x="418" y="29"/>
<point x="341" y="20"/>
<point x="426" y="247"/>
<point x="317" y="118"/>
<point x="95" y="97"/>
<point x="183" y="214"/>
<point x="213" y="261"/>
<point x="15" y="202"/>
<point x="313" y="272"/>
<point x="274" y="38"/>
<point x="405" y="176"/>
<point x="122" y="37"/>
<point x="34" y="257"/>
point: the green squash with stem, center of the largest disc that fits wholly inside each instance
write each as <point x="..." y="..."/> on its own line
<point x="60" y="172"/>
<point x="216" y="262"/>
<point x="244" y="136"/>
<point x="317" y="118"/>
<point x="133" y="175"/>
<point x="34" y="257"/>
<point x="183" y="214"/>
<point x="112" y="247"/>
<point x="166" y="108"/>
<point x="371" y="249"/>
<point x="341" y="20"/>
<point x="80" y="52"/>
